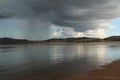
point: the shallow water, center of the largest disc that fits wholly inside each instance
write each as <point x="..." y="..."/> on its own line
<point x="54" y="62"/>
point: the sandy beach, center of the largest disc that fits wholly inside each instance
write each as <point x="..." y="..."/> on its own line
<point x="108" y="72"/>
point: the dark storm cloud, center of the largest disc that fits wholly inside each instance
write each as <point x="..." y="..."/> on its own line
<point x="4" y="15"/>
<point x="78" y="14"/>
<point x="60" y="7"/>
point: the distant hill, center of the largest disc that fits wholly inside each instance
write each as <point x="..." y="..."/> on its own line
<point x="113" y="38"/>
<point x="11" y="41"/>
<point x="74" y="40"/>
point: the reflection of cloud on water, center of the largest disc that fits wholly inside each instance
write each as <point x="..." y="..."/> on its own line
<point x="97" y="53"/>
<point x="56" y="54"/>
<point x="101" y="52"/>
<point x="90" y="53"/>
<point x="80" y="51"/>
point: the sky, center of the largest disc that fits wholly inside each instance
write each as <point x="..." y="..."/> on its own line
<point x="45" y="19"/>
<point x="116" y="29"/>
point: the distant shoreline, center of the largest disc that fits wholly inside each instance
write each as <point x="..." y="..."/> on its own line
<point x="58" y="41"/>
<point x="92" y="43"/>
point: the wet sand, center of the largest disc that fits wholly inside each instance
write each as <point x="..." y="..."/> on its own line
<point x="108" y="72"/>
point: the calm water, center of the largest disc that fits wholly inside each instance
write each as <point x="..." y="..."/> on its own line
<point x="54" y="62"/>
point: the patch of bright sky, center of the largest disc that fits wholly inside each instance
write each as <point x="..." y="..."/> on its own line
<point x="116" y="29"/>
<point x="11" y="28"/>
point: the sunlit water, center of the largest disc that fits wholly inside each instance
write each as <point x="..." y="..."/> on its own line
<point x="50" y="62"/>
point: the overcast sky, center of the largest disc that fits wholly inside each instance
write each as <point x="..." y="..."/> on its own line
<point x="43" y="19"/>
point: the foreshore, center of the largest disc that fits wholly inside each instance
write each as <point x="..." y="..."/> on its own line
<point x="107" y="72"/>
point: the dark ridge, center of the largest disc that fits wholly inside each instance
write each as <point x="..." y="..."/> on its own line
<point x="75" y="40"/>
<point x="11" y="41"/>
<point x="113" y="38"/>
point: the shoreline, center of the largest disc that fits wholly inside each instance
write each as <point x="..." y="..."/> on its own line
<point x="52" y="43"/>
<point x="110" y="71"/>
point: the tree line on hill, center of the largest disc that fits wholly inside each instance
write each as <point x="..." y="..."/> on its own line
<point x="11" y="41"/>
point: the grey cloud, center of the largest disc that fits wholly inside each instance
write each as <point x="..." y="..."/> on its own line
<point x="76" y="14"/>
<point x="3" y="16"/>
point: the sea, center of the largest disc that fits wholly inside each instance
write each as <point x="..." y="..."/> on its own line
<point x="54" y="62"/>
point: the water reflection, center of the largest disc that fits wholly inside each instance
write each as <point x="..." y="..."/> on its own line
<point x="71" y="52"/>
<point x="48" y="59"/>
<point x="56" y="54"/>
